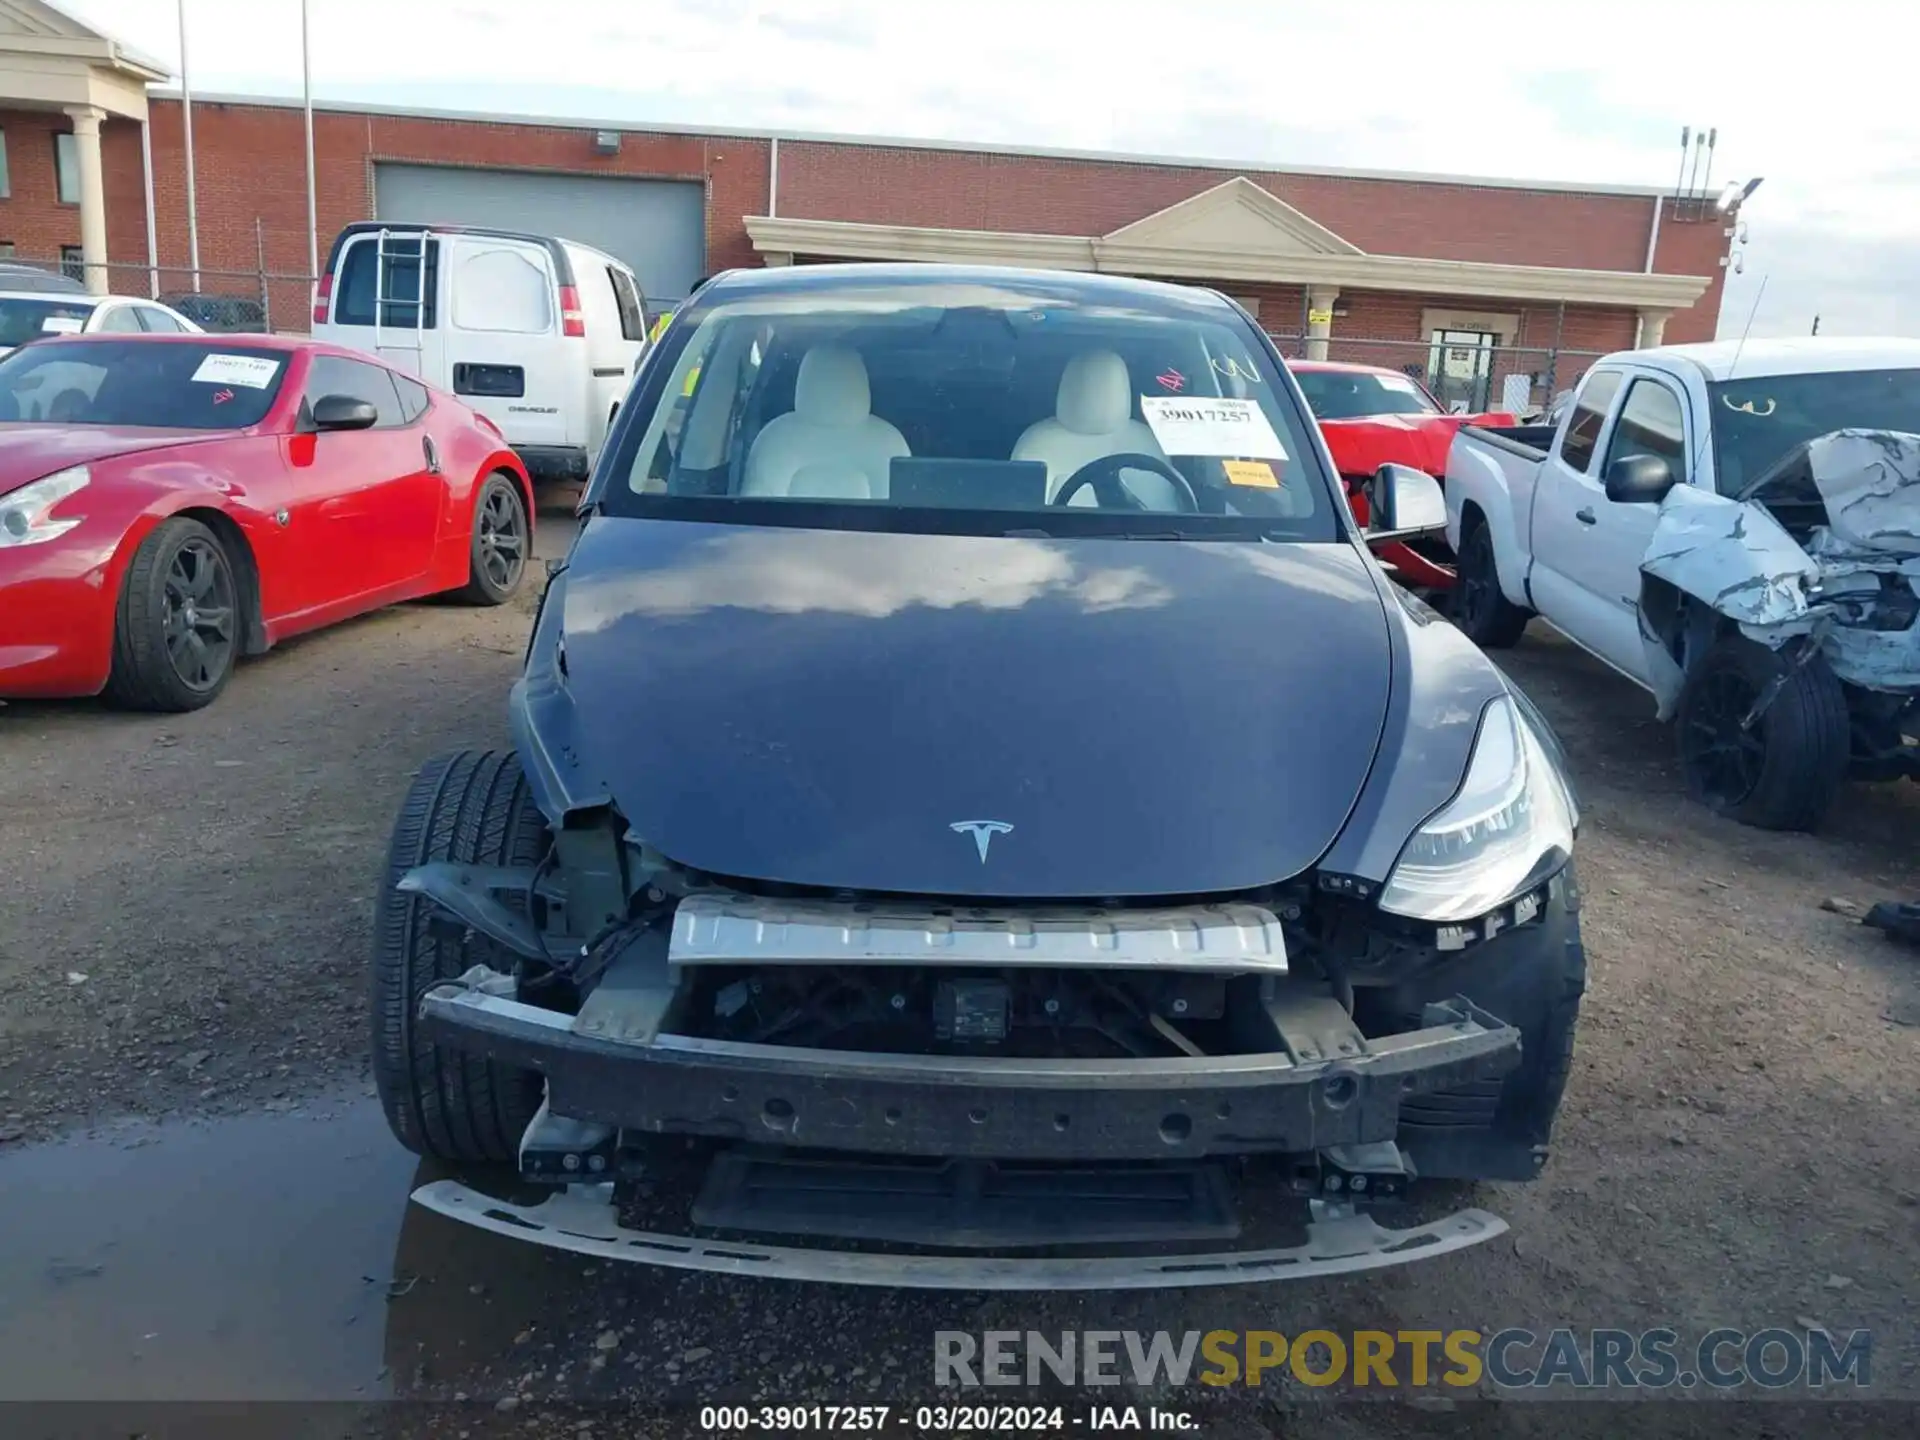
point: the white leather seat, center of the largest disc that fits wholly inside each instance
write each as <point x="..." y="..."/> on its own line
<point x="831" y="446"/>
<point x="1092" y="417"/>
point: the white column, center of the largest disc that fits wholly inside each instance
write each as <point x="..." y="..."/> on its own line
<point x="93" y="196"/>
<point x="153" y="231"/>
<point x="1653" y="325"/>
<point x="1320" y="300"/>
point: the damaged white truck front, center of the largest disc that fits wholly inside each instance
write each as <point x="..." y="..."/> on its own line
<point x="1736" y="529"/>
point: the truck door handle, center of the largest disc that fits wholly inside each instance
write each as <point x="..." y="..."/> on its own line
<point x="1585" y="517"/>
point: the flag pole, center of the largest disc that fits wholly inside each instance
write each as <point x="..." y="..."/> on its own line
<point x="186" y="123"/>
<point x="306" y="90"/>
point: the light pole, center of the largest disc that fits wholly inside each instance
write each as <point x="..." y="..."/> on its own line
<point x="306" y="91"/>
<point x="186" y="123"/>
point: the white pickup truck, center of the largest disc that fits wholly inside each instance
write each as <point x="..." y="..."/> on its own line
<point x="1734" y="527"/>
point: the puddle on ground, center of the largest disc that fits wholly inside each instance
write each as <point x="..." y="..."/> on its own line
<point x="262" y="1257"/>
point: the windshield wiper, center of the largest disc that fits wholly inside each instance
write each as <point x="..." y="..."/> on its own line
<point x="1101" y="535"/>
<point x="1036" y="534"/>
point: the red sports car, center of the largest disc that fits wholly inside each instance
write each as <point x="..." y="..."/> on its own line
<point x="169" y="504"/>
<point x="1373" y="416"/>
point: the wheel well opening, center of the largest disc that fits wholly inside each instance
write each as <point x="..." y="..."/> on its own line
<point x="1470" y="517"/>
<point x="1685" y="626"/>
<point x="525" y="487"/>
<point x="246" y="572"/>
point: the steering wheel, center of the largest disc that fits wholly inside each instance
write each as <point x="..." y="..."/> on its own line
<point x="68" y="406"/>
<point x="1103" y="474"/>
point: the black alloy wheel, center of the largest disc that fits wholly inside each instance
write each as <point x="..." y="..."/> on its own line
<point x="198" y="615"/>
<point x="1784" y="770"/>
<point x="180" y="625"/>
<point x="1481" y="611"/>
<point x="502" y="538"/>
<point x="1722" y="755"/>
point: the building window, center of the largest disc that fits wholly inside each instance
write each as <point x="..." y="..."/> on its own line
<point x="6" y="250"/>
<point x="66" y="166"/>
<point x="73" y="261"/>
<point x="6" y="180"/>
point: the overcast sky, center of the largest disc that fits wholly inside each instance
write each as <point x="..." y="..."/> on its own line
<point x="1818" y="100"/>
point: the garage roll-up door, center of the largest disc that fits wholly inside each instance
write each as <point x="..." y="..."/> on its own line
<point x="656" y="226"/>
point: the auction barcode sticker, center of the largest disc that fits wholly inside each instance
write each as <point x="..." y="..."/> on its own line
<point x="253" y="371"/>
<point x="1222" y="427"/>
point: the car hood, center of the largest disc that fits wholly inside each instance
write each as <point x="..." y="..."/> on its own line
<point x="31" y="451"/>
<point x="1362" y="445"/>
<point x="1019" y="717"/>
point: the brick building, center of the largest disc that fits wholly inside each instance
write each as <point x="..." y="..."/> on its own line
<point x="1460" y="280"/>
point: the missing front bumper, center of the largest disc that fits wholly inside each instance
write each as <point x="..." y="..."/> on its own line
<point x="582" y="1219"/>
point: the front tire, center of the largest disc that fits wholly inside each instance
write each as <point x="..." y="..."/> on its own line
<point x="1783" y="772"/>
<point x="1486" y="616"/>
<point x="177" y="628"/>
<point x="471" y="807"/>
<point x="501" y="542"/>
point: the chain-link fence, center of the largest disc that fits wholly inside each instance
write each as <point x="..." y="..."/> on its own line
<point x="225" y="301"/>
<point x="1471" y="377"/>
<point x="1464" y="373"/>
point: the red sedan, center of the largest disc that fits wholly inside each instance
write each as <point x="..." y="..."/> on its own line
<point x="1373" y="416"/>
<point x="169" y="504"/>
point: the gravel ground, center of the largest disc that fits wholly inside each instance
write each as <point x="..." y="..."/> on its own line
<point x="184" y="936"/>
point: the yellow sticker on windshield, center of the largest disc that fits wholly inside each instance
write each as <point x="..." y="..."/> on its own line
<point x="1257" y="473"/>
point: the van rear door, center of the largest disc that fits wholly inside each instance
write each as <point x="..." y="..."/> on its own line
<point x="616" y="336"/>
<point x="386" y="301"/>
<point x="506" y="355"/>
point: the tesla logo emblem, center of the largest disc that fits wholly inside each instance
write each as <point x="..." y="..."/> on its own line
<point x="982" y="831"/>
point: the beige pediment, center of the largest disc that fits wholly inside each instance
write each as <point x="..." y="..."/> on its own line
<point x="42" y="22"/>
<point x="50" y="60"/>
<point x="1236" y="216"/>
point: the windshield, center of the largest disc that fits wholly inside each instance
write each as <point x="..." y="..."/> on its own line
<point x="163" y="384"/>
<point x="971" y="408"/>
<point x="1349" y="395"/>
<point x="1756" y="422"/>
<point x="24" y="320"/>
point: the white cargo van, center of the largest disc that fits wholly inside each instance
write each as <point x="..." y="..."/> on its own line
<point x="540" y="335"/>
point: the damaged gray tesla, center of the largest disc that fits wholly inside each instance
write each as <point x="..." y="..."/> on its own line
<point x="979" y="817"/>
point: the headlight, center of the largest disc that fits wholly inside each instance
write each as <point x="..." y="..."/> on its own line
<point x="1510" y="825"/>
<point x="25" y="514"/>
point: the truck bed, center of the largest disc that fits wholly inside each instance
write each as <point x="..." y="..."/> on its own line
<point x="1493" y="470"/>
<point x="1528" y="441"/>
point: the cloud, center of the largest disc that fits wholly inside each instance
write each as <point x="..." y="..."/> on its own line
<point x="850" y="573"/>
<point x="1818" y="105"/>
<point x="1856" y="285"/>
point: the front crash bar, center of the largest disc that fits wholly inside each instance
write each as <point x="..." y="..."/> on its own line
<point x="582" y="1219"/>
<point x="990" y="1107"/>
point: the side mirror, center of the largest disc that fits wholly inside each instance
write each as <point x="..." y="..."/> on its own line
<point x="1639" y="480"/>
<point x="1403" y="501"/>
<point x="344" y="412"/>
